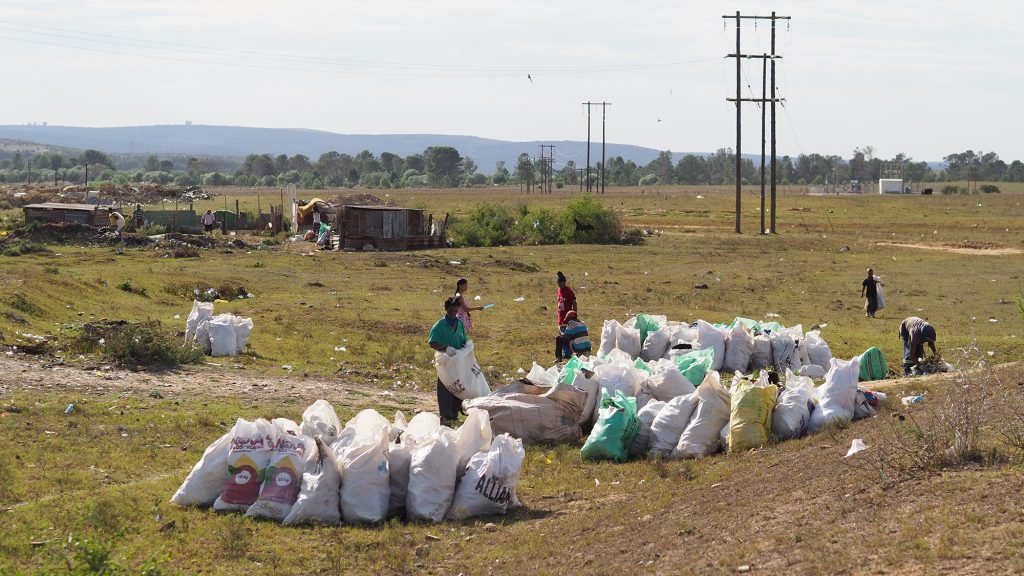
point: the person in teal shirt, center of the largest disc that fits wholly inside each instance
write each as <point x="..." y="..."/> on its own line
<point x="447" y="336"/>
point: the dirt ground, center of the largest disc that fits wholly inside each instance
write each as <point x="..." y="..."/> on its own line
<point x="971" y="248"/>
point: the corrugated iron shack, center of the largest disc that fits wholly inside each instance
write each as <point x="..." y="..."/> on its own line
<point x="388" y="228"/>
<point x="54" y="212"/>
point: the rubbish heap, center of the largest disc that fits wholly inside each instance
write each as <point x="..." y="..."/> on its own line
<point x="220" y="335"/>
<point x="318" y="471"/>
<point x="683" y="390"/>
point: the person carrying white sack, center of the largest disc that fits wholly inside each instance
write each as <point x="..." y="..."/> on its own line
<point x="448" y="335"/>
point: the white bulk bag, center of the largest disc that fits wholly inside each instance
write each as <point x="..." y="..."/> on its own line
<point x="818" y="351"/>
<point x="489" y="484"/>
<point x="432" y="474"/>
<point x="793" y="408"/>
<point x="739" y="346"/>
<point x="283" y="478"/>
<point x="670" y="423"/>
<point x="812" y="371"/>
<point x="400" y="452"/>
<point x="201" y="311"/>
<point x="243" y="329"/>
<point x="609" y="333"/>
<point x="628" y="340"/>
<point x="206" y="480"/>
<point x="593" y="390"/>
<point x="681" y="333"/>
<point x="252" y="446"/>
<point x="222" y="335"/>
<point x="702" y="435"/>
<point x="319" y="497"/>
<point x="646" y="416"/>
<point x="473" y="436"/>
<point x="656" y="345"/>
<point x="620" y="376"/>
<point x="838" y="395"/>
<point x="365" y="485"/>
<point x="784" y="355"/>
<point x="320" y="420"/>
<point x="461" y="373"/>
<point x="761" y="356"/>
<point x="666" y="381"/>
<point x="710" y="337"/>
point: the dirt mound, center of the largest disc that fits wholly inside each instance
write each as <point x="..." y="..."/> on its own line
<point x="513" y="265"/>
<point x="363" y="200"/>
<point x="72" y="233"/>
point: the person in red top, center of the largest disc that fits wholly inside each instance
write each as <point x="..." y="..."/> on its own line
<point x="566" y="299"/>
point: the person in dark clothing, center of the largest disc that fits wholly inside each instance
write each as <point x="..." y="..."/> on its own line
<point x="869" y="288"/>
<point x="573" y="338"/>
<point x="915" y="333"/>
<point x="448" y="336"/>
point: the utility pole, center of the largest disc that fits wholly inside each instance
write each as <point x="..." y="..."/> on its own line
<point x="580" y="171"/>
<point x="587" y="104"/>
<point x="764" y="109"/>
<point x="763" y="101"/>
<point x="547" y="166"/>
<point x="603" y="106"/>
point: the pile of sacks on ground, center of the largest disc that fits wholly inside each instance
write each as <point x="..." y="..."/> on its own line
<point x="368" y="471"/>
<point x="655" y="386"/>
<point x="220" y="335"/>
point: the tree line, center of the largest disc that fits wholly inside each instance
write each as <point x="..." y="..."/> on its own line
<point x="445" y="167"/>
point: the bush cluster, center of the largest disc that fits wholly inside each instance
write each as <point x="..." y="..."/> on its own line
<point x="583" y="221"/>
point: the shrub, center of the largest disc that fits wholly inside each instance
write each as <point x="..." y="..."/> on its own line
<point x="649" y="180"/>
<point x="588" y="222"/>
<point x="950" y="189"/>
<point x="990" y="189"/>
<point x="149" y="343"/>
<point x="545" y="226"/>
<point x="488" y="225"/>
<point x="22" y="248"/>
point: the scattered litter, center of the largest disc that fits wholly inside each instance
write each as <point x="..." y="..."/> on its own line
<point x="597" y="482"/>
<point x="288" y="367"/>
<point x="856" y="446"/>
<point x="69" y="409"/>
<point x="699" y="197"/>
<point x="177" y="316"/>
<point x="476" y="298"/>
<point x="908" y="400"/>
<point x="744" y="568"/>
<point x="520" y="299"/>
<point x="991" y="353"/>
<point x="701" y="286"/>
<point x="340" y="349"/>
<point x="454" y="262"/>
<point x="771" y="315"/>
<point x="993" y="320"/>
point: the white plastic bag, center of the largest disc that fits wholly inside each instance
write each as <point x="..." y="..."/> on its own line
<point x="620" y="376"/>
<point x="473" y="436"/>
<point x="656" y="344"/>
<point x="702" y="435"/>
<point x="628" y="340"/>
<point x="710" y="337"/>
<point x="761" y="357"/>
<point x="201" y="311"/>
<point x="489" y="484"/>
<point x="666" y="381"/>
<point x="542" y="377"/>
<point x="206" y="480"/>
<point x="838" y="395"/>
<point x="283" y="478"/>
<point x="609" y="333"/>
<point x="400" y="452"/>
<point x="812" y="371"/>
<point x="432" y="474"/>
<point x="320" y="420"/>
<point x="880" y="299"/>
<point x="365" y="486"/>
<point x="739" y="346"/>
<point x="818" y="351"/>
<point x="222" y="335"/>
<point x="252" y="446"/>
<point x="646" y="416"/>
<point x="670" y="423"/>
<point x="784" y="354"/>
<point x="243" y="329"/>
<point x="461" y="373"/>
<point x="319" y="497"/>
<point x="792" y="413"/>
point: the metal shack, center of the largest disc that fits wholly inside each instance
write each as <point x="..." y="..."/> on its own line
<point x="54" y="212"/>
<point x="388" y="228"/>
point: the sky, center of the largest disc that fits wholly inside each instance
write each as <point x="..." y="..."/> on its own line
<point x="925" y="78"/>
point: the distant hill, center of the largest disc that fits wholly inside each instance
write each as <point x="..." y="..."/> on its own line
<point x="234" y="141"/>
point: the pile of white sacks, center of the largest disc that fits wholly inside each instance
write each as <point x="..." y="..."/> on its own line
<point x="220" y="335"/>
<point x="368" y="471"/>
<point x="684" y="410"/>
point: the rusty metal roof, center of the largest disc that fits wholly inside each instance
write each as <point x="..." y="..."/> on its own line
<point x="60" y="206"/>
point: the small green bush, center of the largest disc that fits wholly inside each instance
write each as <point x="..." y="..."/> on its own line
<point x="990" y="189"/>
<point x="488" y="225"/>
<point x="149" y="343"/>
<point x="22" y="248"/>
<point x="950" y="189"/>
<point x="588" y="222"/>
<point x="545" y="226"/>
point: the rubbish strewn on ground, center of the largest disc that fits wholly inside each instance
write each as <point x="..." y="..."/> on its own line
<point x="220" y="335"/>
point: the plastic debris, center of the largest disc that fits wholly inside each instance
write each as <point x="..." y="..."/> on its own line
<point x="856" y="446"/>
<point x="908" y="400"/>
<point x="69" y="409"/>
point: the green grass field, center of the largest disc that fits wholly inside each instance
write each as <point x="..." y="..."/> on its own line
<point x="95" y="484"/>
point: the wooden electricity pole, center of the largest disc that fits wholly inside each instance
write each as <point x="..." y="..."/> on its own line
<point x="739" y="119"/>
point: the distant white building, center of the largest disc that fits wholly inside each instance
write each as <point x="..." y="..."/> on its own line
<point x="890" y="186"/>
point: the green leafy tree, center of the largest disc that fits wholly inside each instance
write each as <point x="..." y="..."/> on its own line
<point x="443" y="165"/>
<point x="90" y="157"/>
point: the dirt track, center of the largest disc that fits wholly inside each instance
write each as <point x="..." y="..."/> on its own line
<point x="20" y="372"/>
